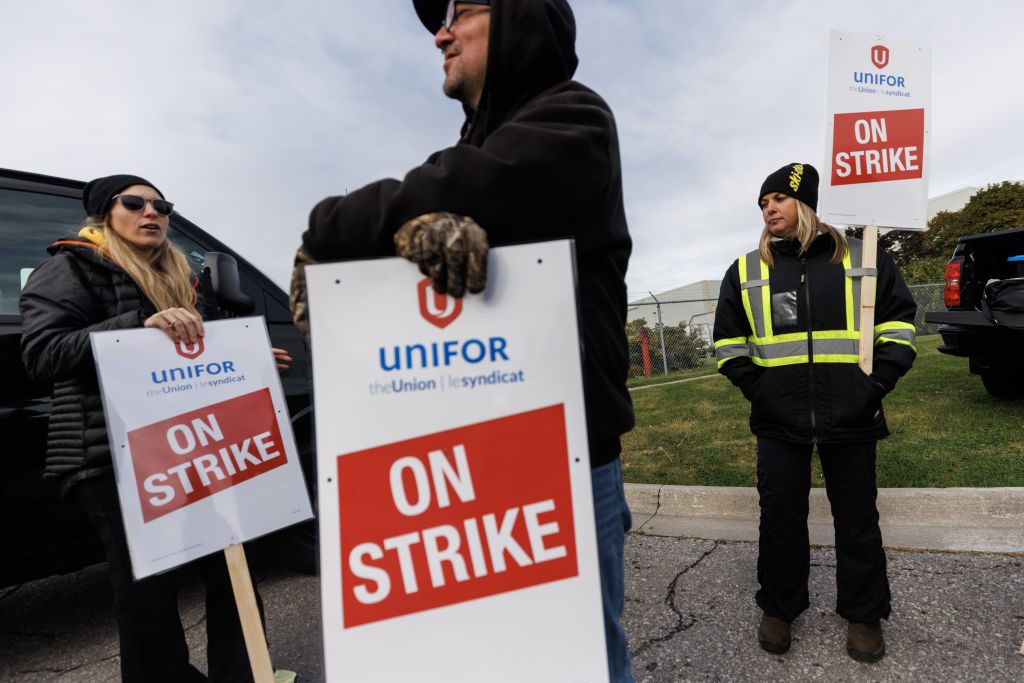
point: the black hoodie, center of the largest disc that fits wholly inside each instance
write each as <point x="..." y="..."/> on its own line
<point x="538" y="160"/>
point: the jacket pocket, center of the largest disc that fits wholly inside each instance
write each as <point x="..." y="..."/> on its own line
<point x="856" y="399"/>
<point x="777" y="396"/>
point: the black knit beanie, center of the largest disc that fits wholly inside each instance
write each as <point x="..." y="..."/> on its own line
<point x="98" y="193"/>
<point x="799" y="181"/>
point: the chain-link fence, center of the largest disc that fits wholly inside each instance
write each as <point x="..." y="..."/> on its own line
<point x="671" y="336"/>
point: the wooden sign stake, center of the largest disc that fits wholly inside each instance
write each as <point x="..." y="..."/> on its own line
<point x="248" y="614"/>
<point x="867" y="299"/>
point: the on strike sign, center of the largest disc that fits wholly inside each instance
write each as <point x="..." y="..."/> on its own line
<point x="876" y="146"/>
<point x="194" y="455"/>
<point x="878" y="121"/>
<point x="457" y="528"/>
<point x="456" y="514"/>
<point x="201" y="441"/>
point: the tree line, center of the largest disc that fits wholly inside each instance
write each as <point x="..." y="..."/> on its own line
<point x="922" y="255"/>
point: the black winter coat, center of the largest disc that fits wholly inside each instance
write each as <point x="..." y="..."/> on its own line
<point x="76" y="291"/>
<point x="539" y="160"/>
<point x="816" y="401"/>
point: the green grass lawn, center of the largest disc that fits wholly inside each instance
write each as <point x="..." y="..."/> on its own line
<point x="946" y="431"/>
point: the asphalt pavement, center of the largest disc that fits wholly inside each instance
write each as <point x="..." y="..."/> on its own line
<point x="956" y="569"/>
<point x="956" y="572"/>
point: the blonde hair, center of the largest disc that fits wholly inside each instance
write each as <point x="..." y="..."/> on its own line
<point x="164" y="278"/>
<point x="808" y="227"/>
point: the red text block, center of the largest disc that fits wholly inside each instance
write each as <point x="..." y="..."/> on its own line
<point x="455" y="516"/>
<point x="186" y="458"/>
<point x="877" y="146"/>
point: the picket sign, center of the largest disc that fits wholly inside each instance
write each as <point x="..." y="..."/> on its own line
<point x="877" y="147"/>
<point x="203" y="451"/>
<point x="457" y="538"/>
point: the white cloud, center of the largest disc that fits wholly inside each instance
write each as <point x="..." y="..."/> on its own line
<point x="248" y="113"/>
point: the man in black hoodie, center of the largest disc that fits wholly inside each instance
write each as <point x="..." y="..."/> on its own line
<point x="537" y="159"/>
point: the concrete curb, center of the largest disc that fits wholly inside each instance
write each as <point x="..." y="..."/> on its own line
<point x="971" y="519"/>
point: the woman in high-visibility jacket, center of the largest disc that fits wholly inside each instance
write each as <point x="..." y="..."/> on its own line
<point x="787" y="334"/>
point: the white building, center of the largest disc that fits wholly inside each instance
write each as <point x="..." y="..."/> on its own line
<point x="693" y="304"/>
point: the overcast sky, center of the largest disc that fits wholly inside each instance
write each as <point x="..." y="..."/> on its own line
<point x="247" y="112"/>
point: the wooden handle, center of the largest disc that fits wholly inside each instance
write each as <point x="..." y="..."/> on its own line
<point x="867" y="300"/>
<point x="249" y="614"/>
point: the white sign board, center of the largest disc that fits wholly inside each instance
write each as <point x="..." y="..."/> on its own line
<point x="202" y="445"/>
<point x="878" y="132"/>
<point x="456" y="517"/>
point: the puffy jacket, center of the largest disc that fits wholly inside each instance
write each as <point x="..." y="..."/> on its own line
<point x="803" y="381"/>
<point x="79" y="290"/>
<point x="538" y="160"/>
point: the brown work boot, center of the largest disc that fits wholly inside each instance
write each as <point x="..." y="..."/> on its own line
<point x="864" y="641"/>
<point x="773" y="634"/>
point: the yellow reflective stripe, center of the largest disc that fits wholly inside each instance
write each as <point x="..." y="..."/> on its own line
<point x="896" y="332"/>
<point x="896" y="341"/>
<point x="836" y="358"/>
<point x="837" y="334"/>
<point x="802" y="336"/>
<point x="796" y="360"/>
<point x="851" y="305"/>
<point x="734" y="340"/>
<point x="776" y="362"/>
<point x="893" y="325"/>
<point x="745" y="294"/>
<point x="766" y="301"/>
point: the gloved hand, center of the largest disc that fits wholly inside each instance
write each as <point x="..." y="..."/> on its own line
<point x="450" y="249"/>
<point x="297" y="293"/>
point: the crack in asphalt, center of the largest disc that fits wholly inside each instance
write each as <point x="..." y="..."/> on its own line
<point x="669" y="601"/>
<point x="657" y="509"/>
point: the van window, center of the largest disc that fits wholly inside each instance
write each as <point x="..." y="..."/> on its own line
<point x="29" y="223"/>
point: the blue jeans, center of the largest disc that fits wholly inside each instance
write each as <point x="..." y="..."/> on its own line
<point x="612" y="519"/>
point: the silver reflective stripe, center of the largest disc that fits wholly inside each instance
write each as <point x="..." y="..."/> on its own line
<point x="856" y="249"/>
<point x="822" y="347"/>
<point x="896" y="334"/>
<point x="753" y="279"/>
<point x="780" y="349"/>
<point x="860" y="272"/>
<point x="728" y="351"/>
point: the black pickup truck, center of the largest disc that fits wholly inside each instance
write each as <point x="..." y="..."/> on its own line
<point x="41" y="534"/>
<point x="993" y="341"/>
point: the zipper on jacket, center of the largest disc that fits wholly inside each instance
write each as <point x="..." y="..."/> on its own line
<point x="806" y="282"/>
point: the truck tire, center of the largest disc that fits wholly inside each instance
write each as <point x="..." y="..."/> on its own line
<point x="1004" y="385"/>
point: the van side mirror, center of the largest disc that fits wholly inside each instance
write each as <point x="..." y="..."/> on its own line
<point x="226" y="283"/>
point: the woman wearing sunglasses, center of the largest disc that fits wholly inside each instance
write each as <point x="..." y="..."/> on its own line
<point x="122" y="272"/>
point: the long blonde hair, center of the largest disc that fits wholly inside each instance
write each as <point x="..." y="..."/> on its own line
<point x="164" y="277"/>
<point x="808" y="227"/>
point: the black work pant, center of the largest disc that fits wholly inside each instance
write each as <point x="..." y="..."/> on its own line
<point x="152" y="640"/>
<point x="783" y="562"/>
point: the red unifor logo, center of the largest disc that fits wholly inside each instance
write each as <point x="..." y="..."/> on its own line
<point x="189" y="350"/>
<point x="880" y="56"/>
<point x="436" y="309"/>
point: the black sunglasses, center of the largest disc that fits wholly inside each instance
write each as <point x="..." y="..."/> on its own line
<point x="133" y="202"/>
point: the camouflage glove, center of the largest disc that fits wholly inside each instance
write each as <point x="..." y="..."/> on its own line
<point x="450" y="249"/>
<point x="297" y="295"/>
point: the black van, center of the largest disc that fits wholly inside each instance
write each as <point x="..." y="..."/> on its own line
<point x="40" y="534"/>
